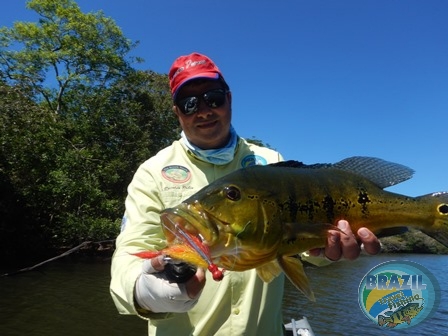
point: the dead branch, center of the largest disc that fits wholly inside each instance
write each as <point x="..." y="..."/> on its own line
<point x="62" y="255"/>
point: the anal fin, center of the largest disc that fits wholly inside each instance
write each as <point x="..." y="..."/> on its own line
<point x="293" y="269"/>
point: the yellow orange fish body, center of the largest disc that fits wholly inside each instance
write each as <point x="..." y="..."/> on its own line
<point x="259" y="216"/>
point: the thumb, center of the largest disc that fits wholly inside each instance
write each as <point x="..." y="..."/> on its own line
<point x="154" y="265"/>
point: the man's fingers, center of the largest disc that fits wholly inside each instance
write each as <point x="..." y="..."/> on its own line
<point x="371" y="243"/>
<point x="333" y="249"/>
<point x="315" y="252"/>
<point x="350" y="247"/>
<point x="195" y="285"/>
<point x="158" y="263"/>
<point x="154" y="265"/>
<point x="342" y="244"/>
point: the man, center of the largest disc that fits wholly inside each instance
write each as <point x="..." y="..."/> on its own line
<point x="209" y="148"/>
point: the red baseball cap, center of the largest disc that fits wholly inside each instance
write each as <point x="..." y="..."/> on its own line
<point x="186" y="68"/>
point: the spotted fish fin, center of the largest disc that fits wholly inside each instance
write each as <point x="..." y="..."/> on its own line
<point x="293" y="269"/>
<point x="383" y="173"/>
<point x="269" y="271"/>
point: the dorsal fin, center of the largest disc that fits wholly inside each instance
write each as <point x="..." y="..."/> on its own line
<point x="298" y="164"/>
<point x="381" y="172"/>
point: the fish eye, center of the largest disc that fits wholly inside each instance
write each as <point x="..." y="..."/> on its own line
<point x="443" y="209"/>
<point x="232" y="193"/>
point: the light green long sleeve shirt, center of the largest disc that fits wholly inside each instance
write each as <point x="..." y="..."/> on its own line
<point x="240" y="304"/>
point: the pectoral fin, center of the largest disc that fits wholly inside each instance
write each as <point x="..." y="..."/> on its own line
<point x="269" y="271"/>
<point x="293" y="269"/>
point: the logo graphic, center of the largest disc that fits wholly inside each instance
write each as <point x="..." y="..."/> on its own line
<point x="176" y="174"/>
<point x="252" y="160"/>
<point x="398" y="294"/>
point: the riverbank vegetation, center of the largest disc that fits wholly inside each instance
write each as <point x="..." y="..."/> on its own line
<point x="76" y="121"/>
<point x="412" y="241"/>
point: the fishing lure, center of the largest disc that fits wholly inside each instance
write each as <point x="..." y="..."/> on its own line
<point x="190" y="250"/>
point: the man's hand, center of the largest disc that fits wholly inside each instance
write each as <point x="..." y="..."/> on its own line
<point x="155" y="293"/>
<point x="340" y="245"/>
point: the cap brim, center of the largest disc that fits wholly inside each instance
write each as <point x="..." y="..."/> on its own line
<point x="209" y="75"/>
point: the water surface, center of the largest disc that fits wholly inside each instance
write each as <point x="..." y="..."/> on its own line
<point x="72" y="298"/>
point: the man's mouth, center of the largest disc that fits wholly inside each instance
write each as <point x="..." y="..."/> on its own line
<point x="207" y="124"/>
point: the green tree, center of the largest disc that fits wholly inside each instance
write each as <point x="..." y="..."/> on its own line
<point x="258" y="142"/>
<point x="29" y="147"/>
<point x="78" y="50"/>
<point x="122" y="126"/>
<point x="76" y="120"/>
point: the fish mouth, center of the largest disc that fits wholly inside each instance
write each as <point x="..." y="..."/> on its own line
<point x="189" y="220"/>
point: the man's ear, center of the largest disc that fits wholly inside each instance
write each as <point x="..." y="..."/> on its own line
<point x="229" y="97"/>
<point x="176" y="110"/>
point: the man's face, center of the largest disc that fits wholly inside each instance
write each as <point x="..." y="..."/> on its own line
<point x="209" y="127"/>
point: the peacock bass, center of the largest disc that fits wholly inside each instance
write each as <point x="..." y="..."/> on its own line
<point x="263" y="216"/>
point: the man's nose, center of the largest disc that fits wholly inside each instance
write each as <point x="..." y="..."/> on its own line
<point x="203" y="108"/>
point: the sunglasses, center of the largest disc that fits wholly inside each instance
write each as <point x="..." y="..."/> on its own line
<point x="213" y="99"/>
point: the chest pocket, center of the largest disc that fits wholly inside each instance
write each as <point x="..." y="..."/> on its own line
<point x="174" y="193"/>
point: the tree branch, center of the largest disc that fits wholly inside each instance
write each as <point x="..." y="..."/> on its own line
<point x="66" y="253"/>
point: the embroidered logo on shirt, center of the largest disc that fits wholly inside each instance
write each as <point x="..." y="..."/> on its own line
<point x="252" y="160"/>
<point x="176" y="174"/>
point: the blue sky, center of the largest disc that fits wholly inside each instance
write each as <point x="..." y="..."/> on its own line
<point x="317" y="80"/>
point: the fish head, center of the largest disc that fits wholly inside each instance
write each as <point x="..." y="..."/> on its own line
<point x="239" y="223"/>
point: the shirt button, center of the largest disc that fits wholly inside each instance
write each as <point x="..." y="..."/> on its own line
<point x="236" y="311"/>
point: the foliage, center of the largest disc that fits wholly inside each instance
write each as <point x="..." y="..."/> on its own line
<point x="28" y="149"/>
<point x="257" y="142"/>
<point x="81" y="51"/>
<point x="75" y="122"/>
<point x="412" y="241"/>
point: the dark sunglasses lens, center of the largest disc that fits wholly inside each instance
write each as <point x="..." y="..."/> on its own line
<point x="215" y="99"/>
<point x="189" y="105"/>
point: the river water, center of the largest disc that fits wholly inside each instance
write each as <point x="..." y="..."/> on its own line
<point x="71" y="297"/>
